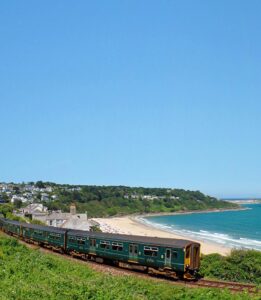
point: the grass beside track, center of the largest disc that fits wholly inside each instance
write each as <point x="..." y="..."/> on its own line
<point x="29" y="274"/>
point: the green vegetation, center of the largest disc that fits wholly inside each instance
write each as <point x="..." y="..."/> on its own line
<point x="6" y="210"/>
<point x="241" y="265"/>
<point x="101" y="201"/>
<point x="30" y="274"/>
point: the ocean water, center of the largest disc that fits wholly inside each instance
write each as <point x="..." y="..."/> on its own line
<point x="236" y="229"/>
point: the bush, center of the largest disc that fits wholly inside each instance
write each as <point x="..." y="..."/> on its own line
<point x="240" y="265"/>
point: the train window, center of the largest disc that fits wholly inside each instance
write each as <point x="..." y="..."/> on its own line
<point x="168" y="253"/>
<point x="151" y="251"/>
<point x="71" y="239"/>
<point x="81" y="241"/>
<point x="175" y="254"/>
<point x="117" y="246"/>
<point x="55" y="236"/>
<point x="105" y="245"/>
<point x="38" y="232"/>
<point x="92" y="242"/>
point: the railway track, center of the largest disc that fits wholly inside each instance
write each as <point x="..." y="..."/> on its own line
<point x="117" y="271"/>
<point x="232" y="286"/>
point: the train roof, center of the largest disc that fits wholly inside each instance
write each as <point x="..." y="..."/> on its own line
<point x="44" y="228"/>
<point x="174" y="243"/>
<point x="36" y="226"/>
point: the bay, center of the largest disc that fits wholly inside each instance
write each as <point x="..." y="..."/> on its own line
<point x="235" y="229"/>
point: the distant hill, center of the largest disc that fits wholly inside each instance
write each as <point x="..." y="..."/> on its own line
<point x="238" y="199"/>
<point x="101" y="201"/>
<point x="121" y="200"/>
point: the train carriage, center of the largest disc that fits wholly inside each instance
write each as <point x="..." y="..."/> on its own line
<point x="157" y="255"/>
<point x="174" y="258"/>
<point x="44" y="235"/>
<point x="11" y="227"/>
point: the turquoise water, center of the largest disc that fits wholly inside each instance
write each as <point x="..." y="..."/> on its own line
<point x="237" y="229"/>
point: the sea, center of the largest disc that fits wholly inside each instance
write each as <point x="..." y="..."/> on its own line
<point x="234" y="229"/>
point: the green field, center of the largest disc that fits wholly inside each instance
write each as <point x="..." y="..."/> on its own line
<point x="30" y="274"/>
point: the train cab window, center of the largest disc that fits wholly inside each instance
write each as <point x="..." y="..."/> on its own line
<point x="117" y="246"/>
<point x="92" y="242"/>
<point x="175" y="254"/>
<point x="105" y="245"/>
<point x="188" y="253"/>
<point x="168" y="252"/>
<point x="151" y="251"/>
<point x="81" y="241"/>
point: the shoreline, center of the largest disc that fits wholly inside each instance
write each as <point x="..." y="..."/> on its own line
<point x="132" y="225"/>
<point x="187" y="212"/>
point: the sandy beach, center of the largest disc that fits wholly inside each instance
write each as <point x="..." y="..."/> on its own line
<point x="131" y="225"/>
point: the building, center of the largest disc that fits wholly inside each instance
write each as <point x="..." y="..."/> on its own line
<point x="45" y="197"/>
<point x="70" y="220"/>
<point x="35" y="211"/>
<point x="34" y="208"/>
<point x="18" y="198"/>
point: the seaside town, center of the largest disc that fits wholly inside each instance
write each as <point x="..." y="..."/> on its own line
<point x="29" y="199"/>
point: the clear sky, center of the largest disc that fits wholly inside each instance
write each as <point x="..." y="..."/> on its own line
<point x="140" y="93"/>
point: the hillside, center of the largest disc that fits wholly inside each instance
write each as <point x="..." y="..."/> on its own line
<point x="120" y="200"/>
<point x="101" y="201"/>
<point x="30" y="274"/>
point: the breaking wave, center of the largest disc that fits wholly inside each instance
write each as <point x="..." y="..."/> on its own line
<point x="204" y="235"/>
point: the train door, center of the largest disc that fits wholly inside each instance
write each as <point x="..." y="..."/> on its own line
<point x="133" y="252"/>
<point x="194" y="260"/>
<point x="187" y="256"/>
<point x="168" y="257"/>
<point x="92" y="245"/>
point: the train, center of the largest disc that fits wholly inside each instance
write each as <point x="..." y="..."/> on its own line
<point x="172" y="258"/>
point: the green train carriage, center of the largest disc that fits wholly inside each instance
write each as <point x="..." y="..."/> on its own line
<point x="11" y="227"/>
<point x="44" y="235"/>
<point x="171" y="257"/>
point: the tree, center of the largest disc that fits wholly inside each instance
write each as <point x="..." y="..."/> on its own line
<point x="18" y="203"/>
<point x="5" y="209"/>
<point x="40" y="185"/>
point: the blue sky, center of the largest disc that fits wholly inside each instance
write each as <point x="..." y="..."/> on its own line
<point x="140" y="93"/>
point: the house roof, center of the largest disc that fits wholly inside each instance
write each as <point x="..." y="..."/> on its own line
<point x="56" y="216"/>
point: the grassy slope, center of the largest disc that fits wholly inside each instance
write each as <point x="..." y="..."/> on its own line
<point x="29" y="274"/>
